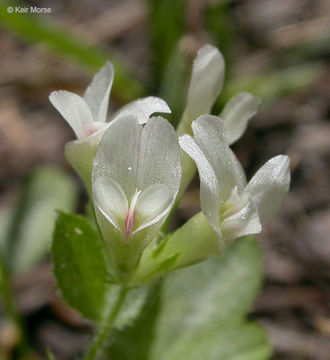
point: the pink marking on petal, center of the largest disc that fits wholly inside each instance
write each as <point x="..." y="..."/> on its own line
<point x="91" y="129"/>
<point x="129" y="222"/>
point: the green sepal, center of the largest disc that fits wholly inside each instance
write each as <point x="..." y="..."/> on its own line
<point x="195" y="241"/>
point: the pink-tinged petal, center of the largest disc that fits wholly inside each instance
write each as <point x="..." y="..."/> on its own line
<point x="139" y="157"/>
<point x="98" y="92"/>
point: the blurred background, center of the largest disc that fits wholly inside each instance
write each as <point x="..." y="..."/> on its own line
<point x="276" y="49"/>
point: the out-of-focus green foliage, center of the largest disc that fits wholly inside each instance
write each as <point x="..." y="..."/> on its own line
<point x="60" y="41"/>
<point x="200" y="313"/>
<point x="29" y="226"/>
<point x="50" y="355"/>
<point x="272" y="85"/>
<point x="173" y="87"/>
<point x="166" y="26"/>
<point x="220" y="27"/>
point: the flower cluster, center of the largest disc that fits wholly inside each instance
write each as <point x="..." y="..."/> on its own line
<point x="135" y="172"/>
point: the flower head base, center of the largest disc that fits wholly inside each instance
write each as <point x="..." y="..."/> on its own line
<point x="87" y="116"/>
<point x="136" y="177"/>
<point x="233" y="207"/>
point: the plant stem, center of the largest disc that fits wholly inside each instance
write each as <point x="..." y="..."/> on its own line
<point x="10" y="309"/>
<point x="102" y="334"/>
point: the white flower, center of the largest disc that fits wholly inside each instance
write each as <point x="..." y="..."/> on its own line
<point x="237" y="113"/>
<point x="205" y="85"/>
<point x="233" y="207"/>
<point x="206" y="81"/>
<point x="87" y="116"/>
<point x="135" y="181"/>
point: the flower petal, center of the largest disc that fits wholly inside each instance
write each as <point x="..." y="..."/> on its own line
<point x="74" y="110"/>
<point x="237" y="113"/>
<point x="81" y="153"/>
<point x="118" y="154"/>
<point x="110" y="199"/>
<point x="268" y="187"/>
<point x="143" y="108"/>
<point x="98" y="92"/>
<point x="159" y="157"/>
<point x="209" y="135"/>
<point x="209" y="188"/>
<point x="206" y="81"/>
<point x="243" y="222"/>
<point x="153" y="204"/>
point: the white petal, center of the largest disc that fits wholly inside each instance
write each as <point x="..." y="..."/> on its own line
<point x="153" y="204"/>
<point x="98" y="92"/>
<point x="209" y="188"/>
<point x="159" y="158"/>
<point x="209" y="135"/>
<point x="118" y="154"/>
<point x="138" y="157"/>
<point x="237" y="113"/>
<point x="143" y="108"/>
<point x="110" y="199"/>
<point x="268" y="187"/>
<point x="74" y="110"/>
<point x="206" y="81"/>
<point x="245" y="221"/>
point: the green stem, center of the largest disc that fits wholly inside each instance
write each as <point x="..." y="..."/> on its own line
<point x="102" y="334"/>
<point x="11" y="310"/>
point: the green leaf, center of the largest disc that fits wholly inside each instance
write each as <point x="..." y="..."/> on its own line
<point x="219" y="24"/>
<point x="30" y="228"/>
<point x="199" y="313"/>
<point x="240" y="341"/>
<point x="61" y="41"/>
<point x="79" y="265"/>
